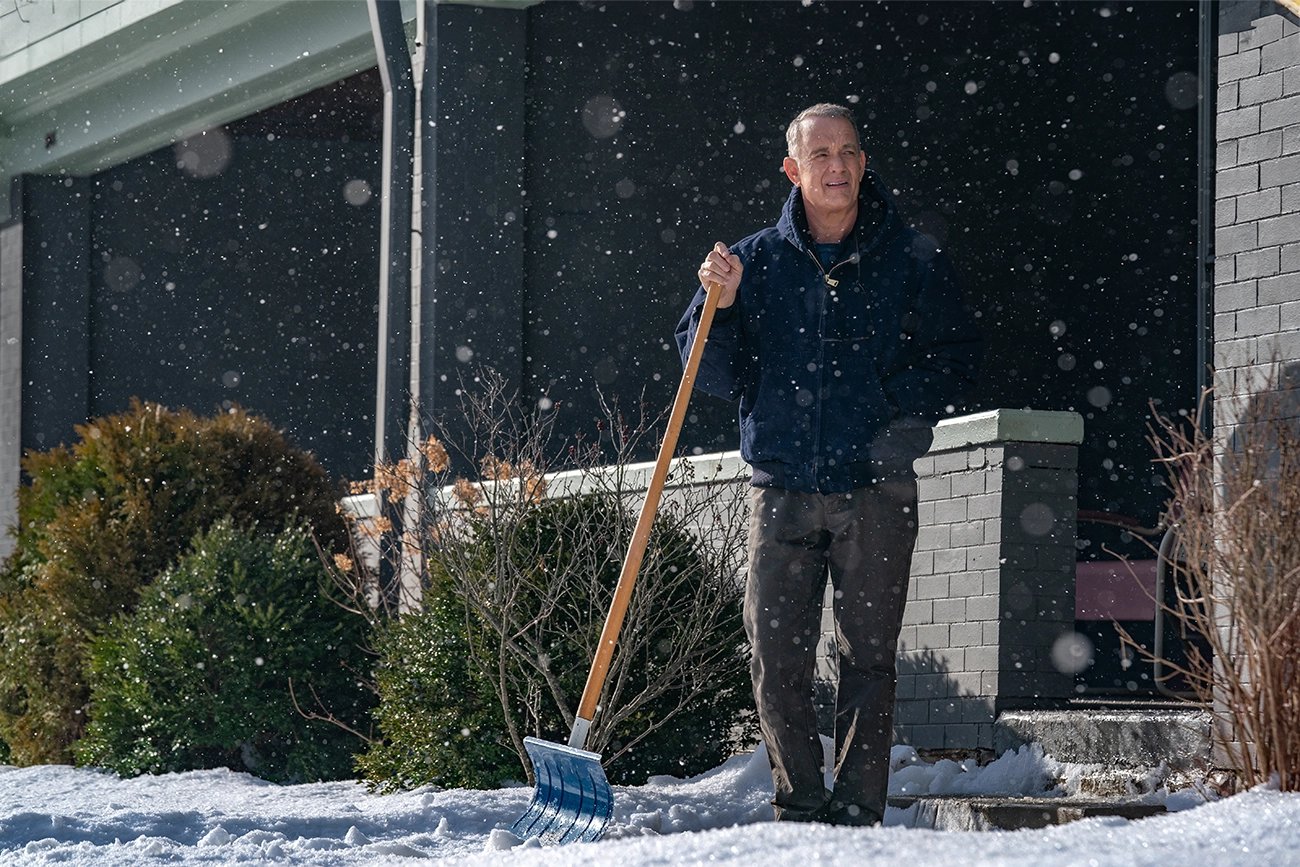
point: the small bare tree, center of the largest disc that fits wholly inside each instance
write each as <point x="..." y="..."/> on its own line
<point x="531" y="547"/>
<point x="1235" y="511"/>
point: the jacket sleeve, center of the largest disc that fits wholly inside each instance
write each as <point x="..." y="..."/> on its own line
<point x="943" y="348"/>
<point x="721" y="371"/>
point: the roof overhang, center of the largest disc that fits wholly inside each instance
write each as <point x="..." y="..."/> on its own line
<point x="187" y="67"/>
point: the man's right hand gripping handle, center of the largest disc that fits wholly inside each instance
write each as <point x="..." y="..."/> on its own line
<point x="721" y="267"/>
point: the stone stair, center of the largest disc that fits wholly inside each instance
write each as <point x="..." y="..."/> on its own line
<point x="1136" y="736"/>
<point x="989" y="813"/>
<point x="1134" y="748"/>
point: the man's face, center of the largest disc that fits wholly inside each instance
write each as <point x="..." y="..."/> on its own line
<point x="828" y="166"/>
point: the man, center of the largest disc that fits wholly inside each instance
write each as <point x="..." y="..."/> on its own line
<point x="844" y="336"/>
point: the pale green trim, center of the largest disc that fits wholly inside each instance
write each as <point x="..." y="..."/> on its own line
<point x="134" y="76"/>
<point x="125" y="96"/>
<point x="1008" y="425"/>
<point x="191" y="66"/>
<point x="32" y="33"/>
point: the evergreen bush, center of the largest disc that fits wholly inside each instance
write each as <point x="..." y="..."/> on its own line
<point x="440" y="722"/>
<point x="100" y="519"/>
<point x="207" y="670"/>
<point x="455" y="696"/>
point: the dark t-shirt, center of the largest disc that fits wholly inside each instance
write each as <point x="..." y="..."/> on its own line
<point x="827" y="253"/>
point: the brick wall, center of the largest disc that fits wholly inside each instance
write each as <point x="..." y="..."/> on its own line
<point x="1257" y="197"/>
<point x="1257" y="207"/>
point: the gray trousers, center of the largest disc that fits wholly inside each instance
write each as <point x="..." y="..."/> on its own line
<point x="863" y="540"/>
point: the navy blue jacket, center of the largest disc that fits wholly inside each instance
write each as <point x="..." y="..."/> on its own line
<point x="840" y="371"/>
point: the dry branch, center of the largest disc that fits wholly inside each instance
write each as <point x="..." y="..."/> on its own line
<point x="1235" y="508"/>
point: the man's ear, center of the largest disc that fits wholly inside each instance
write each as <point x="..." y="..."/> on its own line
<point x="791" y="166"/>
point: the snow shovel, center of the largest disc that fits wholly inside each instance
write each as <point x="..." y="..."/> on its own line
<point x="573" y="800"/>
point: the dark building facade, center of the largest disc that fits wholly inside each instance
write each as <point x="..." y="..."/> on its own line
<point x="587" y="154"/>
<point x="1115" y="182"/>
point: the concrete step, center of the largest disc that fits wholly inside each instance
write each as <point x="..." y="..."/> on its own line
<point x="988" y="813"/>
<point x="1178" y="737"/>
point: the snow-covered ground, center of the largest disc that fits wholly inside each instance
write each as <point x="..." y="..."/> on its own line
<point x="57" y="814"/>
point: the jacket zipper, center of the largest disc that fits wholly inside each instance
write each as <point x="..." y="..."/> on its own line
<point x="821" y="358"/>
<point x="826" y="275"/>
<point x="821" y="380"/>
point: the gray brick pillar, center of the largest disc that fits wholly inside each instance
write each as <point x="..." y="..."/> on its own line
<point x="992" y="586"/>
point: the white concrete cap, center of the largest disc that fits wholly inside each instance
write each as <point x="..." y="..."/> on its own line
<point x="1008" y="425"/>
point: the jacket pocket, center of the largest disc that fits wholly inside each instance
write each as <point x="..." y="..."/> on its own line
<point x="901" y="442"/>
<point x="853" y="401"/>
<point x="779" y="411"/>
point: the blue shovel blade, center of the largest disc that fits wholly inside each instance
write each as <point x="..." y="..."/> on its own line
<point x="573" y="801"/>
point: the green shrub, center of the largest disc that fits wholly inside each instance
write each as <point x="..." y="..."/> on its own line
<point x="199" y="676"/>
<point x="440" y="722"/>
<point x="97" y="522"/>
<point x="512" y="612"/>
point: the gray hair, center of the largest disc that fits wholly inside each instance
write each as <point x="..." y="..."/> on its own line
<point x="821" y="109"/>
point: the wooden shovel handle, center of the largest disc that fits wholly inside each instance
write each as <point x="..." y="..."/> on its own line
<point x="641" y="535"/>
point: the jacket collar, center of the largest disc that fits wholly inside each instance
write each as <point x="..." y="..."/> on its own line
<point x="793" y="225"/>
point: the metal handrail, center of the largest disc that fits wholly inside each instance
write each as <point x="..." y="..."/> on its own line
<point x="1158" y="644"/>
<point x="1115" y="519"/>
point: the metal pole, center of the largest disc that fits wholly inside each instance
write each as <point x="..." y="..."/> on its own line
<point x="392" y="394"/>
<point x="1207" y="39"/>
<point x="391" y="401"/>
<point x="428" y="137"/>
<point x="410" y="583"/>
<point x="417" y="218"/>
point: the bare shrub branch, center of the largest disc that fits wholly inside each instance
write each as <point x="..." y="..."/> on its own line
<point x="1235" y="508"/>
<point x="531" y="546"/>
<point x="325" y="714"/>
